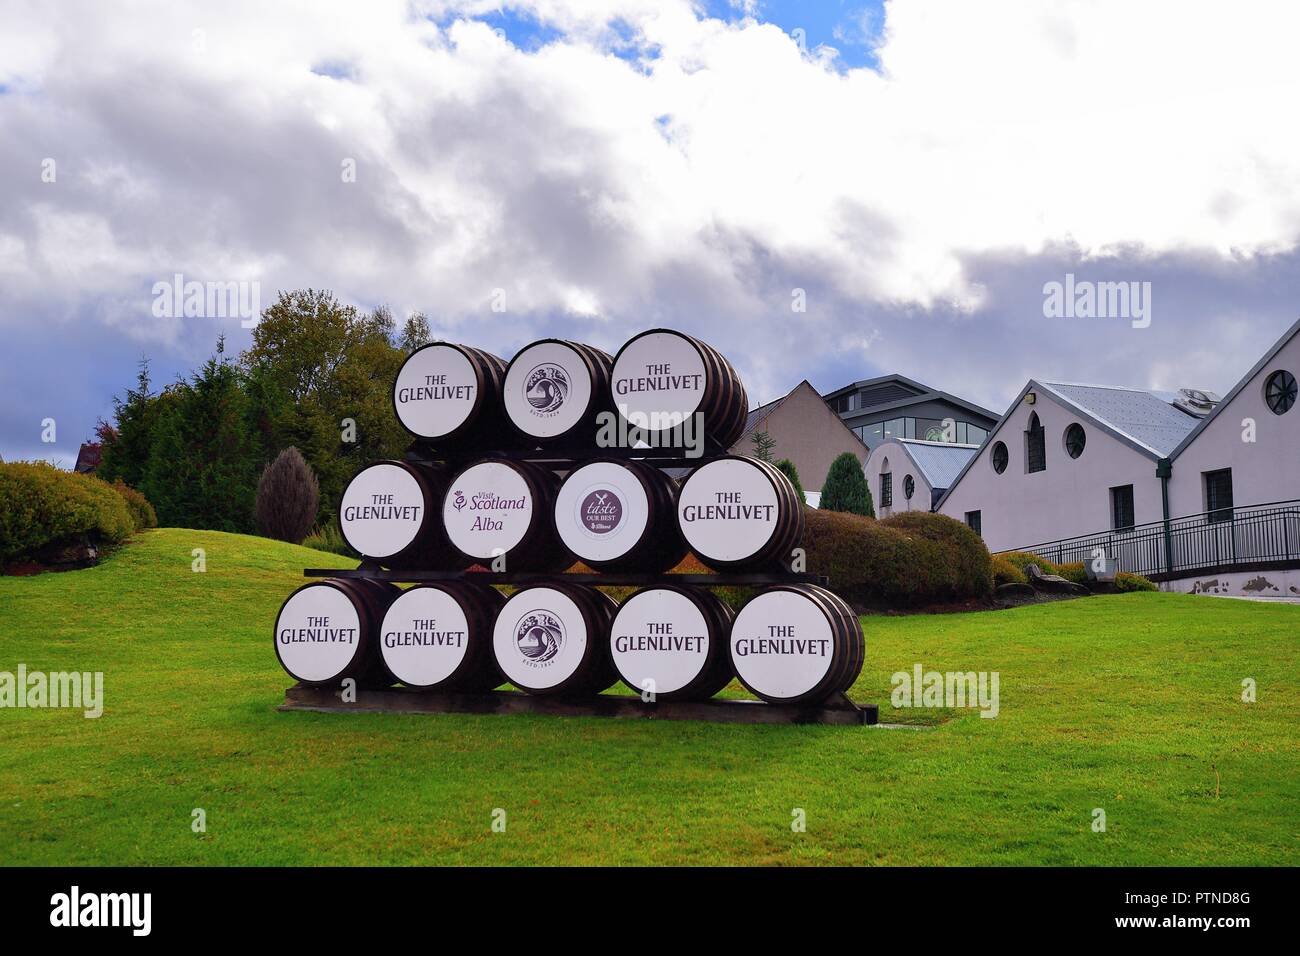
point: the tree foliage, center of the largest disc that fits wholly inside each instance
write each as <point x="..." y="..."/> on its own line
<point x="846" y="487"/>
<point x="317" y="377"/>
<point x="287" y="498"/>
<point x="787" y="468"/>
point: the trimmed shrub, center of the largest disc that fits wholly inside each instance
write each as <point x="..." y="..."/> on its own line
<point x="895" y="564"/>
<point x="787" y="468"/>
<point x="42" y="505"/>
<point x="1128" y="581"/>
<point x="287" y="498"/>
<point x="1074" y="571"/>
<point x="1004" y="572"/>
<point x="142" y="513"/>
<point x="846" y="487"/>
<point x="974" y="566"/>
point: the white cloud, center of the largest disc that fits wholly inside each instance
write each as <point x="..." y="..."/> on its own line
<point x="696" y="178"/>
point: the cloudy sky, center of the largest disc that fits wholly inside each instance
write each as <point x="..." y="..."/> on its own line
<point x="915" y="171"/>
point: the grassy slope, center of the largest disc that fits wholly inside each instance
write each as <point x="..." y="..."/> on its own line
<point x="1123" y="702"/>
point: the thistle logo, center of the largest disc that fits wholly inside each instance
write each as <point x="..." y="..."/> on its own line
<point x="459" y="501"/>
<point x="601" y="512"/>
<point x="539" y="635"/>
<point x="546" y="388"/>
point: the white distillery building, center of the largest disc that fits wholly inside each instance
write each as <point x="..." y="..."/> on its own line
<point x="1196" y="492"/>
<point x="906" y="474"/>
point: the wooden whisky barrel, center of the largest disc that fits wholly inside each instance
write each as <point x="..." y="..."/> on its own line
<point x="499" y="507"/>
<point x="740" y="513"/>
<point x="439" y="635"/>
<point x="450" y="395"/>
<point x="662" y="378"/>
<point x="796" y="644"/>
<point x="554" y="390"/>
<point x="553" y="639"/>
<point x="389" y="513"/>
<point x="616" y="514"/>
<point x="325" y="631"/>
<point x="672" y="640"/>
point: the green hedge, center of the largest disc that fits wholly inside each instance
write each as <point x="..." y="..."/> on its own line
<point x="142" y="514"/>
<point x="908" y="559"/>
<point x="41" y="504"/>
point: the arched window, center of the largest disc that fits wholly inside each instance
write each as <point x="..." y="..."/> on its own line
<point x="1035" y="445"/>
<point x="1075" y="440"/>
<point x="886" y="485"/>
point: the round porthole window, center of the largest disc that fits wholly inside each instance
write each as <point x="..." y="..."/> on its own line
<point x="909" y="487"/>
<point x="1280" y="391"/>
<point x="999" y="457"/>
<point x="1075" y="440"/>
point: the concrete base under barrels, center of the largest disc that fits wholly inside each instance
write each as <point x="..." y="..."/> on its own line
<point x="400" y="700"/>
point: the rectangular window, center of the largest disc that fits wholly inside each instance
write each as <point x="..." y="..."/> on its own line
<point x="959" y="432"/>
<point x="1218" y="494"/>
<point x="973" y="522"/>
<point x="886" y="489"/>
<point x="1121" y="508"/>
<point x="976" y="435"/>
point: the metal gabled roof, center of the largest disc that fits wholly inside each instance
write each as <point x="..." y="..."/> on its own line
<point x="939" y="462"/>
<point x="1133" y="413"/>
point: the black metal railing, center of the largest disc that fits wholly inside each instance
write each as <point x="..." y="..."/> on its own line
<point x="1230" y="537"/>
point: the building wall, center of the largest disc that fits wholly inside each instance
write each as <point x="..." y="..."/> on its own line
<point x="1071" y="497"/>
<point x="1265" y="470"/>
<point x="900" y="465"/>
<point x="808" y="433"/>
<point x="1284" y="584"/>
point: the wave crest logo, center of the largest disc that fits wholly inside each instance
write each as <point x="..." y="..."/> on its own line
<point x="546" y="388"/>
<point x="539" y="635"/>
<point x="458" y="500"/>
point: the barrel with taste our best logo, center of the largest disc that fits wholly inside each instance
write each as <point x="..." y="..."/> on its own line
<point x="619" y="515"/>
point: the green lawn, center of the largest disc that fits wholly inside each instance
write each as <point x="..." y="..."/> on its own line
<point x="1128" y="703"/>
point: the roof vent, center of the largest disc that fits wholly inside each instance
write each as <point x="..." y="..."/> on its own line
<point x="1196" y="401"/>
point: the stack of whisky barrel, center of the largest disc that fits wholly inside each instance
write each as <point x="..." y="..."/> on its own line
<point x="564" y="455"/>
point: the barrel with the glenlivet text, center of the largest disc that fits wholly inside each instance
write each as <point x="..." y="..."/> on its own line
<point x="498" y="508"/>
<point x="440" y="636"/>
<point x="796" y="644"/>
<point x="740" y="513"/>
<point x="555" y="390"/>
<point x="670" y="641"/>
<point x="450" y="396"/>
<point x="389" y="513"/>
<point x="661" y="378"/>
<point x="552" y="639"/>
<point x="326" y="631"/>
<point x="620" y="515"/>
